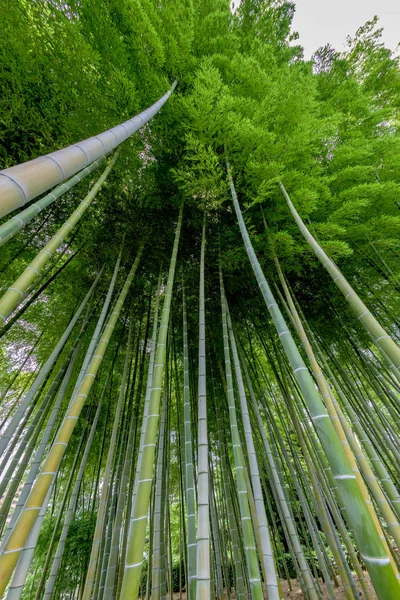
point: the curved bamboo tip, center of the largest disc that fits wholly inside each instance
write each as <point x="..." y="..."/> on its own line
<point x="174" y="85"/>
<point x="284" y="192"/>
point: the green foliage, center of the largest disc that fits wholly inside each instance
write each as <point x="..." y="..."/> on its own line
<point x="329" y="129"/>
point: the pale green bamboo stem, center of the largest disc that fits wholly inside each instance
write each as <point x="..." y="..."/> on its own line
<point x="348" y="443"/>
<point x="380" y="337"/>
<point x="323" y="515"/>
<point x="14" y="474"/>
<point x="72" y="504"/>
<point x="203" y="511"/>
<point x="234" y="535"/>
<point x="283" y="506"/>
<point x="41" y="448"/>
<point x="21" y="572"/>
<point x="219" y="588"/>
<point x="105" y="550"/>
<point x="45" y="370"/>
<point x="384" y="478"/>
<point x="130" y="468"/>
<point x="311" y="525"/>
<point x="158" y="532"/>
<point x="64" y="499"/>
<point x="148" y="385"/>
<point x="117" y="531"/>
<point x="189" y="471"/>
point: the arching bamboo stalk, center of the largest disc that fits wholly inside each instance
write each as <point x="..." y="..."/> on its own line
<point x="22" y="183"/>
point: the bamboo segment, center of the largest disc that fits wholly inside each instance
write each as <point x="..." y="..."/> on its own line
<point x="233" y="531"/>
<point x="13" y="475"/>
<point x="382" y="340"/>
<point x="149" y="383"/>
<point x="118" y="527"/>
<point x="158" y="568"/>
<point x="66" y="494"/>
<point x="367" y="538"/>
<point x="21" y="183"/>
<point x="25" y="560"/>
<point x="137" y="532"/>
<point x="13" y="295"/>
<point x="26" y="521"/>
<point x="284" y="507"/>
<point x="203" y="510"/>
<point x="189" y="471"/>
<point x="11" y="227"/>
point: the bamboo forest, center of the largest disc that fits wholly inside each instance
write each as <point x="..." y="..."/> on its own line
<point x="199" y="304"/>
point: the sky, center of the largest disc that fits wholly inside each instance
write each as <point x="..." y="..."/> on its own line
<point x="320" y="22"/>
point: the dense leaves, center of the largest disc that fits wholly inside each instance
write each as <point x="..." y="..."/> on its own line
<point x="328" y="128"/>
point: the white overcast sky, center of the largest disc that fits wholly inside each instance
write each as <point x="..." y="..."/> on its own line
<point x="319" y="22"/>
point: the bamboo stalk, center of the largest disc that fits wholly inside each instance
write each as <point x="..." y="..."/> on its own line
<point x="203" y="566"/>
<point x="382" y="340"/>
<point x="21" y="183"/>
